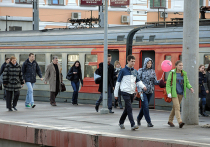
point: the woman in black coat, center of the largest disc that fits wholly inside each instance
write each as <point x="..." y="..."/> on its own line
<point x="202" y="90"/>
<point x="75" y="76"/>
<point x="208" y="86"/>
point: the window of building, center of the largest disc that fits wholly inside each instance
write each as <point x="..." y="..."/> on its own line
<point x="23" y="1"/>
<point x="40" y="59"/>
<point x="90" y="68"/>
<point x="9" y="55"/>
<point x="56" y="2"/>
<point x="206" y="60"/>
<point x="15" y="28"/>
<point x="71" y="60"/>
<point x="167" y="73"/>
<point x="157" y="3"/>
<point x="201" y="3"/>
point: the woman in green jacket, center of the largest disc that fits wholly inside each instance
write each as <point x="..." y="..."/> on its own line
<point x="177" y="90"/>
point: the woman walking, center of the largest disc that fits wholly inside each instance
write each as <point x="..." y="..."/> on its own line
<point x="208" y="85"/>
<point x="75" y="76"/>
<point x="13" y="81"/>
<point x="148" y="77"/>
<point x="203" y="89"/>
<point x="176" y="91"/>
<point x="117" y="68"/>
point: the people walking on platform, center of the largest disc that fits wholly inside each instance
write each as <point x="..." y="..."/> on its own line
<point x="29" y="69"/>
<point x="7" y="60"/>
<point x="208" y="85"/>
<point x="110" y="83"/>
<point x="176" y="91"/>
<point x="117" y="68"/>
<point x="126" y="82"/>
<point x="148" y="76"/>
<point x="75" y="76"/>
<point x="54" y="76"/>
<point x="13" y="81"/>
<point x="203" y="89"/>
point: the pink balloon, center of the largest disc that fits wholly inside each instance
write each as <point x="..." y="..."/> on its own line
<point x="166" y="65"/>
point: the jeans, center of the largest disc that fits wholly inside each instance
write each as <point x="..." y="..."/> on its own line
<point x="109" y="98"/>
<point x="145" y="108"/>
<point x="203" y="100"/>
<point x="29" y="96"/>
<point x="75" y="86"/>
<point x="128" y="98"/>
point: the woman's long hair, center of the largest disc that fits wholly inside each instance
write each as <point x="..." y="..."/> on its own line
<point x="78" y="66"/>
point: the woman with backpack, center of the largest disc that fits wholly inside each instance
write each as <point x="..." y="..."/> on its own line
<point x="177" y="90"/>
<point x="203" y="90"/>
<point x="75" y="76"/>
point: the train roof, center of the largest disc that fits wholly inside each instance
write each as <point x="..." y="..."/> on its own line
<point x="95" y="36"/>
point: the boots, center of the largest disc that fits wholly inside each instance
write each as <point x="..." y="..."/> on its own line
<point x="120" y="102"/>
<point x="204" y="111"/>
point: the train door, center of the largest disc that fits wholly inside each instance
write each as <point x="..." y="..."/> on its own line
<point x="143" y="55"/>
<point x="115" y="55"/>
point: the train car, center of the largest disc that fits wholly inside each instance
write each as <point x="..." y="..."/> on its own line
<point x="86" y="45"/>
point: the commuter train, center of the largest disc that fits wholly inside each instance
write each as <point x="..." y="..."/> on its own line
<point x="86" y="45"/>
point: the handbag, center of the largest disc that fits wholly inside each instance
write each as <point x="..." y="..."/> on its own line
<point x="166" y="98"/>
<point x="69" y="76"/>
<point x="63" y="87"/>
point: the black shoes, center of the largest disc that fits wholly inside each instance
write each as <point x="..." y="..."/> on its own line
<point x="15" y="109"/>
<point x="150" y="125"/>
<point x="138" y="122"/>
<point x="110" y="111"/>
<point x="10" y="109"/>
<point x="96" y="107"/>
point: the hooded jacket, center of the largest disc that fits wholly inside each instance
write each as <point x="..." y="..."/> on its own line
<point x="148" y="77"/>
<point x="127" y="80"/>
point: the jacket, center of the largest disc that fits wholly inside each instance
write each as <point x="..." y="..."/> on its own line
<point x="110" y="77"/>
<point x="76" y="77"/>
<point x="50" y="75"/>
<point x="116" y="72"/>
<point x="202" y="85"/>
<point x="127" y="80"/>
<point x="172" y="89"/>
<point x="2" y="68"/>
<point x="30" y="70"/>
<point x="12" y="77"/>
<point x="208" y="80"/>
<point x="148" y="77"/>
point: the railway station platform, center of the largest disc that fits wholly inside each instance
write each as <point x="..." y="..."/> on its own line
<point x="67" y="125"/>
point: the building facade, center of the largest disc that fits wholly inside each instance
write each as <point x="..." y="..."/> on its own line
<point x="55" y="13"/>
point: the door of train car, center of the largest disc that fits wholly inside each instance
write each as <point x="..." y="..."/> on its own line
<point x="115" y="55"/>
<point x="143" y="55"/>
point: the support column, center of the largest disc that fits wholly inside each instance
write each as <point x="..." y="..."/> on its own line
<point x="190" y="60"/>
<point x="36" y="15"/>
<point x="82" y="62"/>
<point x="64" y="65"/>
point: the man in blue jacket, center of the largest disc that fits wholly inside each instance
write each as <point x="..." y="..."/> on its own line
<point x="7" y="60"/>
<point x="29" y="69"/>
<point x="126" y="81"/>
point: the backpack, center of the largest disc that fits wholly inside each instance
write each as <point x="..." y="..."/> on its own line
<point x="97" y="77"/>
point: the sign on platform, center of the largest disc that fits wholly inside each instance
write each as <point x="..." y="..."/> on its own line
<point x="91" y="2"/>
<point x="119" y="2"/>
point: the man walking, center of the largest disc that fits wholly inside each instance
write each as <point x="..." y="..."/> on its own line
<point x="29" y="69"/>
<point x="126" y="81"/>
<point x="7" y="60"/>
<point x="54" y="76"/>
<point x="110" y="84"/>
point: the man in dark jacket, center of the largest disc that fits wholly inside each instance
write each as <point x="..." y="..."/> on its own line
<point x="29" y="69"/>
<point x="110" y="84"/>
<point x="7" y="60"/>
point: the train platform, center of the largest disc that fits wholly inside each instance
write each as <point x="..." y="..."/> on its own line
<point x="67" y="125"/>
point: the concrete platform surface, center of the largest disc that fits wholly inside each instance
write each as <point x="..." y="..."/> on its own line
<point x="83" y="119"/>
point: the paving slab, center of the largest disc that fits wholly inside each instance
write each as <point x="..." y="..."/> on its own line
<point x="83" y="119"/>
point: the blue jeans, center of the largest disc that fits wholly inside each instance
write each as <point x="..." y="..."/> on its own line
<point x="29" y="96"/>
<point x="203" y="100"/>
<point x="75" y="86"/>
<point x="109" y="98"/>
<point x="145" y="108"/>
<point x="128" y="99"/>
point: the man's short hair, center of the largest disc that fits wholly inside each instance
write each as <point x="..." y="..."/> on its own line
<point x="6" y="59"/>
<point x="54" y="57"/>
<point x="109" y="55"/>
<point x="130" y="57"/>
<point x="11" y="58"/>
<point x="30" y="54"/>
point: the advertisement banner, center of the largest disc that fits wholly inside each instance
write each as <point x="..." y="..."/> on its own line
<point x="119" y="2"/>
<point x="91" y="2"/>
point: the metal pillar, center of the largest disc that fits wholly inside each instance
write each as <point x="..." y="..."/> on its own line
<point x="101" y="16"/>
<point x="35" y="14"/>
<point x="104" y="110"/>
<point x="190" y="60"/>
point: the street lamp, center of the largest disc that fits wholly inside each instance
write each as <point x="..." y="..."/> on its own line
<point x="6" y="21"/>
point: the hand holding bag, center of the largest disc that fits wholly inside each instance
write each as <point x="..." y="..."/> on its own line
<point x="63" y="87"/>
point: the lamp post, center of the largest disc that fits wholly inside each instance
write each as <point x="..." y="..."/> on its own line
<point x="6" y="21"/>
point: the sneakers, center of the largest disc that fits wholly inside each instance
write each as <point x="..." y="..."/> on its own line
<point x="122" y="126"/>
<point x="110" y="111"/>
<point x="32" y="106"/>
<point x="28" y="106"/>
<point x="134" y="127"/>
<point x="150" y="125"/>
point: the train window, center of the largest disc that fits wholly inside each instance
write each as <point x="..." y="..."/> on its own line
<point x="71" y="60"/>
<point x="23" y="58"/>
<point x="206" y="60"/>
<point x="40" y="59"/>
<point x="9" y="55"/>
<point x="167" y="73"/>
<point x="90" y="69"/>
<point x="180" y="57"/>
